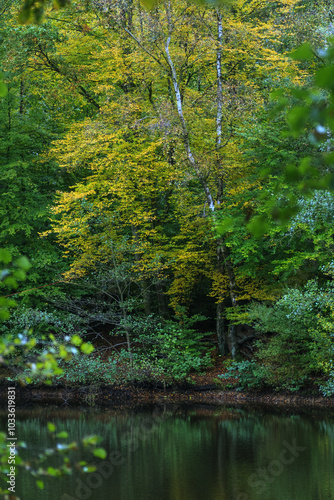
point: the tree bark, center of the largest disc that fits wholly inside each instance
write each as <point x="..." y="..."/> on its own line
<point x="223" y="253"/>
<point x="185" y="134"/>
<point x="221" y="330"/>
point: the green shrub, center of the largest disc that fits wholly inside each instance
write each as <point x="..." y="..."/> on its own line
<point x="299" y="338"/>
<point x="327" y="388"/>
<point x="170" y="349"/>
<point x="83" y="369"/>
<point x="248" y="375"/>
<point x="25" y="319"/>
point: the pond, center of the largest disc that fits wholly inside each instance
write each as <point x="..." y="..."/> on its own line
<point x="173" y="452"/>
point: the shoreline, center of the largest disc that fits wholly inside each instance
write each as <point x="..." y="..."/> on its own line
<point x="129" y="395"/>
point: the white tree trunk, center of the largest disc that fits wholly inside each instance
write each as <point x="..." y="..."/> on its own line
<point x="185" y="135"/>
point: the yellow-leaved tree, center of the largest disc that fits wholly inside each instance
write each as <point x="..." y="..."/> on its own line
<point x="162" y="155"/>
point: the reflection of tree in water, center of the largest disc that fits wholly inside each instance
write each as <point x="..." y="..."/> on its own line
<point x="249" y="452"/>
<point x="192" y="454"/>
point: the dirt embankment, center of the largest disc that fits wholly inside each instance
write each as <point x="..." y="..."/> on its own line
<point x="92" y="395"/>
<point x="205" y="388"/>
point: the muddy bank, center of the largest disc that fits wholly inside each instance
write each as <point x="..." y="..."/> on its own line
<point x="96" y="395"/>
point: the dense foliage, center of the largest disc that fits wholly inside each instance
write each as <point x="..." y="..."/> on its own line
<point x="162" y="165"/>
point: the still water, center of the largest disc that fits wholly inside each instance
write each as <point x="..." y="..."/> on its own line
<point x="187" y="453"/>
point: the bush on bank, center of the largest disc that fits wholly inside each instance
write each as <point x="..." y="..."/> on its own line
<point x="295" y="346"/>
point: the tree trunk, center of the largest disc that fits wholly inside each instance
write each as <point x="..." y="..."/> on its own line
<point x="222" y="250"/>
<point x="223" y="253"/>
<point x="232" y="341"/>
<point x="161" y="300"/>
<point x="221" y="330"/>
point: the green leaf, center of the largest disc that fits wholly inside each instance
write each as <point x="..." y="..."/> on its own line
<point x="62" y="434"/>
<point x="324" y="77"/>
<point x="10" y="282"/>
<point x="76" y="340"/>
<point x="51" y="427"/>
<point x="284" y="215"/>
<point x="277" y="94"/>
<point x="19" y="274"/>
<point x="100" y="452"/>
<point x="297" y="118"/>
<point x="4" y="314"/>
<point x="5" y="256"/>
<point x="90" y="440"/>
<point x="4" y="301"/>
<point x="53" y="472"/>
<point x="291" y="173"/>
<point x="40" y="484"/>
<point x="305" y="165"/>
<point x="226" y="225"/>
<point x="23" y="263"/>
<point x="329" y="159"/>
<point x="303" y="53"/>
<point x="87" y="348"/>
<point x="300" y="93"/>
<point x="89" y="468"/>
<point x="258" y="226"/>
<point x="63" y="352"/>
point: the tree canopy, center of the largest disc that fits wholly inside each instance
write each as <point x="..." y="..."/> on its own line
<point x="169" y="162"/>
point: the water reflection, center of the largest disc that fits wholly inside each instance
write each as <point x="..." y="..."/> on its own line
<point x="174" y="453"/>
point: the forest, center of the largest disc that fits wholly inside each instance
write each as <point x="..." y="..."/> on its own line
<point x="166" y="179"/>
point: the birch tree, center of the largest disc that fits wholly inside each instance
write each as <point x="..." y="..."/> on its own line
<point x="193" y="75"/>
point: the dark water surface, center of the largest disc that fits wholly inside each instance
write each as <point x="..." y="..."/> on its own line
<point x="187" y="453"/>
